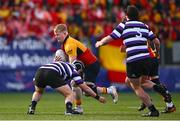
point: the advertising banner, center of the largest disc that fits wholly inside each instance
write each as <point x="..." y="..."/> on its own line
<point x="19" y="61"/>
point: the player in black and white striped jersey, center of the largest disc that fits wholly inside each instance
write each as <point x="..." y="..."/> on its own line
<point x="135" y="35"/>
<point x="56" y="75"/>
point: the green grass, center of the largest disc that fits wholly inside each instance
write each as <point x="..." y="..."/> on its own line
<point x="13" y="106"/>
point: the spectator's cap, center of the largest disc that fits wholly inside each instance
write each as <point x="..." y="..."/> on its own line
<point x="132" y="12"/>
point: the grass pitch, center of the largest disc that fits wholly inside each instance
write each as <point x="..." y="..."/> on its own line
<point x="13" y="106"/>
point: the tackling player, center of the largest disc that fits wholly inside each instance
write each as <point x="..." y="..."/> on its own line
<point x="56" y="75"/>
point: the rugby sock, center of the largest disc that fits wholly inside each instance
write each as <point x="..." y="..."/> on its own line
<point x="101" y="90"/>
<point x="156" y="81"/>
<point x="163" y="91"/>
<point x="152" y="108"/>
<point x="104" y="90"/>
<point x="77" y="102"/>
<point x="68" y="106"/>
<point x="33" y="104"/>
<point x="109" y="90"/>
<point x="158" y="88"/>
<point x="165" y="88"/>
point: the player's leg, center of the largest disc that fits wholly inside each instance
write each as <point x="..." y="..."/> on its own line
<point x="135" y="71"/>
<point x="170" y="107"/>
<point x="40" y="84"/>
<point x="157" y="88"/>
<point x="104" y="90"/>
<point x="147" y="84"/>
<point x="109" y="90"/>
<point x="78" y="97"/>
<point x="35" y="98"/>
<point x="161" y="89"/>
<point x="144" y="85"/>
<point x="145" y="98"/>
<point x="128" y="83"/>
<point x="62" y="87"/>
<point x="91" y="73"/>
<point x="69" y="98"/>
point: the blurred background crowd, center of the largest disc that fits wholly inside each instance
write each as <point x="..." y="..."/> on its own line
<point x="27" y="40"/>
<point x="87" y="19"/>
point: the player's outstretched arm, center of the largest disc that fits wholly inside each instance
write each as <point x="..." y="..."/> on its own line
<point x="103" y="41"/>
<point x="89" y="91"/>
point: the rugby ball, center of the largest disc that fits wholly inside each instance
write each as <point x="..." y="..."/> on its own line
<point x="60" y="53"/>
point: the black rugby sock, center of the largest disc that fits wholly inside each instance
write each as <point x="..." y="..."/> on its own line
<point x="152" y="108"/>
<point x="68" y="106"/>
<point x="33" y="104"/>
<point x="156" y="81"/>
<point x="163" y="91"/>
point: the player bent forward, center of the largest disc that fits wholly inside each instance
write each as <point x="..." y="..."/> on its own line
<point x="56" y="75"/>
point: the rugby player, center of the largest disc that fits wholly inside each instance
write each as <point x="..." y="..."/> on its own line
<point x="75" y="50"/>
<point x="135" y="35"/>
<point x="56" y="75"/>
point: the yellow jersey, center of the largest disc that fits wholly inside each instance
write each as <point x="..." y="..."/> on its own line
<point x="73" y="47"/>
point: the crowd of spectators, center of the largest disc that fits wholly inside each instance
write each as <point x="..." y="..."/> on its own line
<point x="87" y="20"/>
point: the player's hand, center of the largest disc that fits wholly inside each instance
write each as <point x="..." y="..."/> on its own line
<point x="98" y="44"/>
<point x="102" y="99"/>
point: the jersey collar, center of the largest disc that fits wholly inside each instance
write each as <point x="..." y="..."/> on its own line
<point x="66" y="38"/>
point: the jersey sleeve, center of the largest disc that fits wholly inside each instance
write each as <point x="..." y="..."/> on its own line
<point x="77" y="78"/>
<point x="71" y="50"/>
<point x="117" y="32"/>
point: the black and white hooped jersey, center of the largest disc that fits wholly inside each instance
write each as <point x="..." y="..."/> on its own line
<point x="66" y="71"/>
<point x="134" y="35"/>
